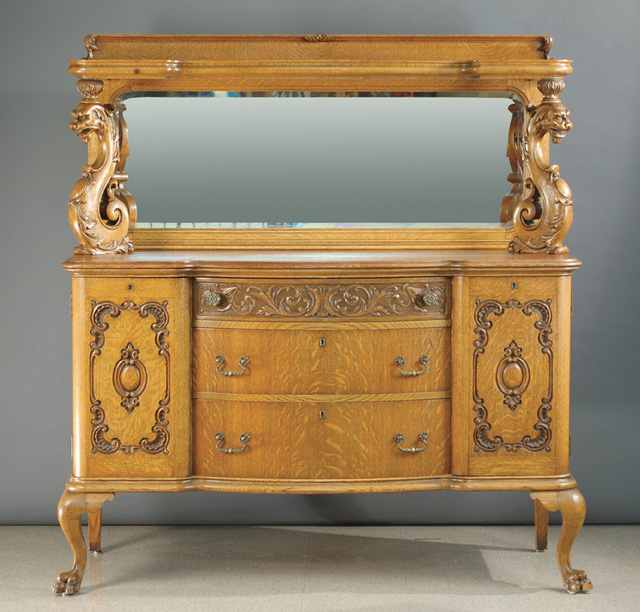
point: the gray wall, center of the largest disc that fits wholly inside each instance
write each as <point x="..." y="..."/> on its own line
<point x="40" y="160"/>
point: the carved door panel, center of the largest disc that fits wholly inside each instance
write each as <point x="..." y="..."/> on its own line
<point x="511" y="413"/>
<point x="131" y="401"/>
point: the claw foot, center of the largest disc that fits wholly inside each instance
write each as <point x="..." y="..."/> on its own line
<point x="64" y="585"/>
<point x="576" y="582"/>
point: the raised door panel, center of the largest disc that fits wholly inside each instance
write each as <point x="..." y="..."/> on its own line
<point x="351" y="440"/>
<point x="322" y="362"/>
<point x="132" y="381"/>
<point x="511" y="414"/>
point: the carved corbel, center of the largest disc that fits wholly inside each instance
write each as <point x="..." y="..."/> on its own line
<point x="542" y="210"/>
<point x="100" y="208"/>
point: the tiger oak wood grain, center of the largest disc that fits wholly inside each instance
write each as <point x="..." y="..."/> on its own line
<point x="292" y="441"/>
<point x="322" y="398"/>
<point x="350" y="362"/>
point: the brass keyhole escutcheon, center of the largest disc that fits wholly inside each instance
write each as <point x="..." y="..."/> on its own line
<point x="323" y="342"/>
<point x="322" y="414"/>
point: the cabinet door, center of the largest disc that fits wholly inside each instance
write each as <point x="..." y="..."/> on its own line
<point x="511" y="387"/>
<point x="131" y="378"/>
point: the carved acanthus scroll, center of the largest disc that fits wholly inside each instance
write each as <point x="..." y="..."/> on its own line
<point x="541" y="207"/>
<point x="129" y="385"/>
<point x="514" y="383"/>
<point x="100" y="208"/>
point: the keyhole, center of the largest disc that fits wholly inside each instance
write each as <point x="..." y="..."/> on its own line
<point x="130" y="287"/>
<point x="323" y="342"/>
<point x="322" y="414"/>
<point x="514" y="285"/>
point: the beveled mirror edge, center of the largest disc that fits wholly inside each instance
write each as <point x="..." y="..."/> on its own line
<point x="535" y="216"/>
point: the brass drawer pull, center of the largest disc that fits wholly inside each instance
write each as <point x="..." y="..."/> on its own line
<point x="424" y="360"/>
<point x="220" y="360"/>
<point x="399" y="438"/>
<point x="244" y="438"/>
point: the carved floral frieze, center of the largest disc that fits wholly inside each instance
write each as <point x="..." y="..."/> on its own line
<point x="325" y="300"/>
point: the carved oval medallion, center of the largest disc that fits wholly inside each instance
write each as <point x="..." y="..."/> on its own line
<point x="512" y="376"/>
<point x="130" y="378"/>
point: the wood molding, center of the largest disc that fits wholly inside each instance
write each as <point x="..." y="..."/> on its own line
<point x="324" y="487"/>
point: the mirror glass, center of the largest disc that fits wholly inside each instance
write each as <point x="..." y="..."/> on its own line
<point x="230" y="159"/>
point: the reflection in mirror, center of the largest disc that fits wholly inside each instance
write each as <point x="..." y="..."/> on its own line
<point x="254" y="160"/>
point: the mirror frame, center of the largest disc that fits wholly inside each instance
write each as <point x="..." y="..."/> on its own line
<point x="535" y="215"/>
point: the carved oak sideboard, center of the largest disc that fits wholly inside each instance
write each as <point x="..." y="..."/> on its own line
<point x="340" y="360"/>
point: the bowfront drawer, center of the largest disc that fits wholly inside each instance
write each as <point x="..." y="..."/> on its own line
<point x="315" y="440"/>
<point x="333" y="361"/>
<point x="398" y="300"/>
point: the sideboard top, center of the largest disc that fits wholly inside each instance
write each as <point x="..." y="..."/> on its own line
<point x="294" y="263"/>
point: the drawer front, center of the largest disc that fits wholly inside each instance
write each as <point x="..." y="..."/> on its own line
<point x="350" y="440"/>
<point x="397" y="299"/>
<point x="321" y="362"/>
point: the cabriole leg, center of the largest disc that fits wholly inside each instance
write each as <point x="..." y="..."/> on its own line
<point x="70" y="511"/>
<point x="571" y="505"/>
<point x="542" y="526"/>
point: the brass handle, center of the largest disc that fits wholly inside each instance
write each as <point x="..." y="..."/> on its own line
<point x="399" y="438"/>
<point x="244" y="362"/>
<point x="424" y="360"/>
<point x="244" y="438"/>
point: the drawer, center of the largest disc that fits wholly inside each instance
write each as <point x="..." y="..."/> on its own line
<point x="350" y="440"/>
<point x="300" y="361"/>
<point x="395" y="299"/>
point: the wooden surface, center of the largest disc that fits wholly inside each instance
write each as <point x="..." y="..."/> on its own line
<point x="292" y="441"/>
<point x="535" y="215"/>
<point x="322" y="316"/>
<point x="294" y="362"/>
<point x="151" y="438"/>
<point x="322" y="397"/>
<point x="391" y="265"/>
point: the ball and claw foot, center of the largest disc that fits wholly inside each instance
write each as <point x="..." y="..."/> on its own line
<point x="577" y="582"/>
<point x="65" y="584"/>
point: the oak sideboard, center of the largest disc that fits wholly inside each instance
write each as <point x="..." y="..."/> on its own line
<point x="302" y="359"/>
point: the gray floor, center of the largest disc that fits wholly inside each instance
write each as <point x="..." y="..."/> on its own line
<point x="373" y="569"/>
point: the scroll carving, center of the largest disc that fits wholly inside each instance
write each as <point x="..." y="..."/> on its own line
<point x="545" y="45"/>
<point x="91" y="45"/>
<point x="512" y="376"/>
<point x="100" y="208"/>
<point x="318" y="37"/>
<point x="160" y="429"/>
<point x="344" y="300"/>
<point x="542" y="439"/>
<point x="130" y="377"/>
<point x="542" y="209"/>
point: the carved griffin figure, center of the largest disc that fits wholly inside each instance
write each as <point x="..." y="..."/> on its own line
<point x="100" y="208"/>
